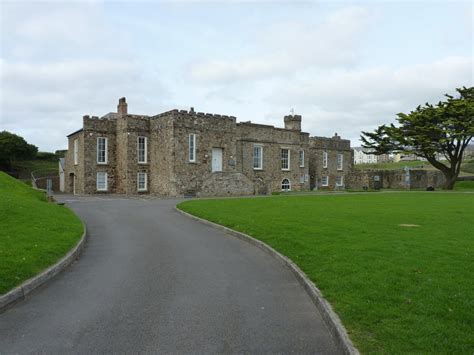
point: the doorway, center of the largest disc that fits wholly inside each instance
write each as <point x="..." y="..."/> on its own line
<point x="216" y="159"/>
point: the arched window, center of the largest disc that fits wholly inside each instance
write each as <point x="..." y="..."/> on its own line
<point x="285" y="185"/>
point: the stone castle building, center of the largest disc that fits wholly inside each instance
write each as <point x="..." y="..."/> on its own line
<point x="181" y="152"/>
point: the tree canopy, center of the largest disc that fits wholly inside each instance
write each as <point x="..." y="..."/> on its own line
<point x="429" y="131"/>
<point x="14" y="147"/>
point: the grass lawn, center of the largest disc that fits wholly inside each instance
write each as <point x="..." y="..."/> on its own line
<point x="397" y="289"/>
<point x="464" y="186"/>
<point x="34" y="234"/>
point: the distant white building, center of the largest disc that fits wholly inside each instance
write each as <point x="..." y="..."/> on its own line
<point x="361" y="157"/>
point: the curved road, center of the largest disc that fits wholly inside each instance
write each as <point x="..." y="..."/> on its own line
<point x="152" y="280"/>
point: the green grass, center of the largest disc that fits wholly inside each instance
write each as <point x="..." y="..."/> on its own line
<point x="34" y="234"/>
<point x="397" y="289"/>
<point x="464" y="186"/>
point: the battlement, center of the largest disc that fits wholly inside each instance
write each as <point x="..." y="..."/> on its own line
<point x="292" y="122"/>
<point x="192" y="113"/>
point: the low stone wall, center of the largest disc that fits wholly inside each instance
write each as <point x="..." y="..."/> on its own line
<point x="226" y="184"/>
<point x="395" y="179"/>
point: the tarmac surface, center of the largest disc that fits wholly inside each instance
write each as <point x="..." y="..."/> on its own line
<point x="153" y="280"/>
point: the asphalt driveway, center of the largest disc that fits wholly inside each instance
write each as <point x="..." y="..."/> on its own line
<point x="152" y="280"/>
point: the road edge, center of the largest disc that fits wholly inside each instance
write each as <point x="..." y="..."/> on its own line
<point x="20" y="292"/>
<point x="331" y="319"/>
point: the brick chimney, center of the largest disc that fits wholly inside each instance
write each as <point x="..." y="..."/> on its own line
<point x="122" y="106"/>
<point x="293" y="122"/>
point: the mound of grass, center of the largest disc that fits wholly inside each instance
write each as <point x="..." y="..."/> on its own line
<point x="464" y="186"/>
<point x="34" y="234"/>
<point x="397" y="267"/>
<point x="468" y="166"/>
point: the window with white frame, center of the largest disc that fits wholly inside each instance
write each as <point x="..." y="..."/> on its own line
<point x="325" y="180"/>
<point x="101" y="150"/>
<point x="142" y="182"/>
<point x="302" y="179"/>
<point x="142" y="149"/>
<point x="340" y="161"/>
<point x="301" y="158"/>
<point x="286" y="185"/>
<point x="192" y="148"/>
<point x="101" y="181"/>
<point x="285" y="159"/>
<point x="339" y="180"/>
<point x="257" y="157"/>
<point x="76" y="152"/>
<point x="325" y="159"/>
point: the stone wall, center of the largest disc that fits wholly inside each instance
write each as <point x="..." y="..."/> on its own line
<point x="212" y="131"/>
<point x="273" y="140"/>
<point x="74" y="174"/>
<point x="171" y="173"/>
<point x="395" y="179"/>
<point x="94" y="127"/>
<point x="332" y="146"/>
<point x="226" y="184"/>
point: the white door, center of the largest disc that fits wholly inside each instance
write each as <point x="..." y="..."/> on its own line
<point x="216" y="159"/>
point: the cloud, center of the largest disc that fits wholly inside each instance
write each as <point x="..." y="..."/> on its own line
<point x="291" y="47"/>
<point x="61" y="61"/>
<point x="353" y="100"/>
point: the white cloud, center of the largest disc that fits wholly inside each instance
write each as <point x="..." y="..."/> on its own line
<point x="353" y="100"/>
<point x="292" y="47"/>
<point x="61" y="61"/>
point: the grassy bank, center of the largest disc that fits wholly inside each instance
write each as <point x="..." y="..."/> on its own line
<point x="396" y="267"/>
<point x="34" y="234"/>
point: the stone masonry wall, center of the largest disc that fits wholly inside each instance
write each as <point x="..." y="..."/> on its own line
<point x="74" y="174"/>
<point x="212" y="131"/>
<point x="273" y="140"/>
<point x="94" y="128"/>
<point x="395" y="179"/>
<point x="333" y="147"/>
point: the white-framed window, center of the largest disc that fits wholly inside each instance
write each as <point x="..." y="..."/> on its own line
<point x="339" y="180"/>
<point x="257" y="157"/>
<point x="325" y="159"/>
<point x="340" y="161"/>
<point x="101" y="150"/>
<point x="142" y="149"/>
<point x="142" y="181"/>
<point x="301" y="158"/>
<point x="285" y="185"/>
<point x="76" y="151"/>
<point x="302" y="179"/>
<point x="285" y="159"/>
<point x="192" y="147"/>
<point x="325" y="180"/>
<point x="101" y="181"/>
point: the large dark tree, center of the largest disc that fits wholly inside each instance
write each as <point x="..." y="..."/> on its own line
<point x="430" y="131"/>
<point x="13" y="147"/>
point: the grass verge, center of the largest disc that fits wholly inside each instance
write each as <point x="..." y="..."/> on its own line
<point x="396" y="267"/>
<point x="34" y="234"/>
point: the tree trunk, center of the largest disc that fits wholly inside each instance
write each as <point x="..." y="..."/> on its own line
<point x="450" y="180"/>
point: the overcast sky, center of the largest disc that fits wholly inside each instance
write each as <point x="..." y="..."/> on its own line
<point x="344" y="66"/>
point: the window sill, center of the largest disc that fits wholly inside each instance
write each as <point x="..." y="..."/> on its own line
<point x="258" y="169"/>
<point x="143" y="163"/>
<point x="285" y="169"/>
<point x="102" y="163"/>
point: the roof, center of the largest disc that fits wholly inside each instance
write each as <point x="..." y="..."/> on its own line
<point x="73" y="133"/>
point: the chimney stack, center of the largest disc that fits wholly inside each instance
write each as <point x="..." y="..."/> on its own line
<point x="122" y="106"/>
